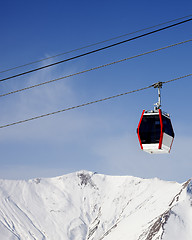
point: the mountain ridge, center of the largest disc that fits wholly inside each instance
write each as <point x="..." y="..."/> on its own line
<point x="91" y="206"/>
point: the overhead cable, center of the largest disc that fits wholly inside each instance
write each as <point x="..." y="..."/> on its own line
<point x="94" y="68"/>
<point x="92" y="102"/>
<point x="94" y="51"/>
<point x="91" y="45"/>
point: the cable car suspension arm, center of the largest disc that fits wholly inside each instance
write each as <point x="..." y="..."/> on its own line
<point x="159" y="86"/>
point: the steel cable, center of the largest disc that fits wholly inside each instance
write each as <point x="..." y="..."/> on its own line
<point x="92" y="102"/>
<point x="95" y="68"/>
<point x="94" y="51"/>
<point x="91" y="45"/>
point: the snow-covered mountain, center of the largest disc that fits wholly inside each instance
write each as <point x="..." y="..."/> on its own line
<point x="91" y="206"/>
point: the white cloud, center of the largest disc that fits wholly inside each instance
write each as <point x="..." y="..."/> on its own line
<point x="37" y="101"/>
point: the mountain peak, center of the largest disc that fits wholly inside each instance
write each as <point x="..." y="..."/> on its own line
<point x="89" y="206"/>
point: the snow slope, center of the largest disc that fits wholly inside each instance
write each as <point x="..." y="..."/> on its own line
<point x="90" y="206"/>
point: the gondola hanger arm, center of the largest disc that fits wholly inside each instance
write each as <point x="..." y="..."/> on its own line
<point x="159" y="86"/>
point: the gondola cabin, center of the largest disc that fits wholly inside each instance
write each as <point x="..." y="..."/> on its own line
<point x="155" y="132"/>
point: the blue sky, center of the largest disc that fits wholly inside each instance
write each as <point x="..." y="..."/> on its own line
<point x="100" y="137"/>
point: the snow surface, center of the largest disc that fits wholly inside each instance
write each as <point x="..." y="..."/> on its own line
<point x="91" y="206"/>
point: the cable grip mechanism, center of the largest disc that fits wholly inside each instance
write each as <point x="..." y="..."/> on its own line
<point x="158" y="104"/>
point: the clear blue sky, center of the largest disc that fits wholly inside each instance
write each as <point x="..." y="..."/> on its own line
<point x="100" y="137"/>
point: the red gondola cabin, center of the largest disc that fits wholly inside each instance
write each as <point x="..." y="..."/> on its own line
<point x="155" y="132"/>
